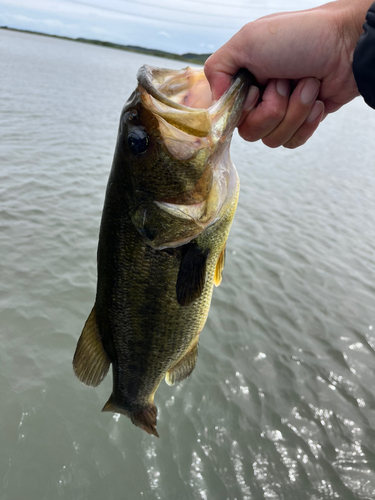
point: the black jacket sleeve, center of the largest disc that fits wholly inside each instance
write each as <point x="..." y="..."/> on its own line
<point x="364" y="59"/>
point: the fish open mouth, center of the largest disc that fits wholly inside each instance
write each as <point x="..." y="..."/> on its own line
<point x="190" y="121"/>
<point x="183" y="99"/>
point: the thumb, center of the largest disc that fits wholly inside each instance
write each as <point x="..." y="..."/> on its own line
<point x="219" y="69"/>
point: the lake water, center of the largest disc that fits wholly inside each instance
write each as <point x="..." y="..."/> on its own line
<point x="281" y="404"/>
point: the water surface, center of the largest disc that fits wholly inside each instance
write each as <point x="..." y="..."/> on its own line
<point x="281" y="403"/>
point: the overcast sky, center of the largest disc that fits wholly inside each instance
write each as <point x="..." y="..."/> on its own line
<point x="178" y="26"/>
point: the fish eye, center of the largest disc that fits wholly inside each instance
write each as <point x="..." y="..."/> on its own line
<point x="138" y="141"/>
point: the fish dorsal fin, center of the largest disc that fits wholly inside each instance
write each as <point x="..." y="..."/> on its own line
<point x="219" y="267"/>
<point x="90" y="362"/>
<point x="184" y="367"/>
<point x="192" y="274"/>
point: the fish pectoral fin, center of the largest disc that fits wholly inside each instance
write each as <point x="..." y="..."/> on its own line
<point x="183" y="368"/>
<point x="192" y="274"/>
<point x="90" y="362"/>
<point x="219" y="267"/>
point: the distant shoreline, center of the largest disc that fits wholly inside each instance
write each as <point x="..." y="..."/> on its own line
<point x="189" y="57"/>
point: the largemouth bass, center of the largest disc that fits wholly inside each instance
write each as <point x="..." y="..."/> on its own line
<point x="170" y="201"/>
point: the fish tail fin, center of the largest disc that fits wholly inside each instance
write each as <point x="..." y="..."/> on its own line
<point x="90" y="362"/>
<point x="145" y="418"/>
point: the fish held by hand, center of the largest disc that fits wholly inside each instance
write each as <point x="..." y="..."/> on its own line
<point x="170" y="201"/>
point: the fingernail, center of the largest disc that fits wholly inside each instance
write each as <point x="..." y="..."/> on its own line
<point x="310" y="90"/>
<point x="317" y="110"/>
<point x="283" y="87"/>
<point x="252" y="98"/>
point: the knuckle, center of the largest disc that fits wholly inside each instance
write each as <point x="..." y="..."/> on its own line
<point x="292" y="144"/>
<point x="245" y="29"/>
<point x="209" y="62"/>
<point x="249" y="130"/>
<point x="271" y="142"/>
<point x="301" y="136"/>
<point x="246" y="135"/>
<point x="275" y="113"/>
<point x="297" y="140"/>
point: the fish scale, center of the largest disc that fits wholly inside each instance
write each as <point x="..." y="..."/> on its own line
<point x="158" y="261"/>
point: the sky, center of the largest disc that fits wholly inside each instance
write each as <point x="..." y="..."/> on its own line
<point x="178" y="26"/>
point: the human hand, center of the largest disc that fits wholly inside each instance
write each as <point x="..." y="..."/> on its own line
<point x="303" y="62"/>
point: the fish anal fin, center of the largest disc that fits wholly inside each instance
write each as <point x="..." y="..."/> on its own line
<point x="192" y="274"/>
<point x="184" y="367"/>
<point x="90" y="362"/>
<point x="111" y="406"/>
<point x="145" y="418"/>
<point x="219" y="267"/>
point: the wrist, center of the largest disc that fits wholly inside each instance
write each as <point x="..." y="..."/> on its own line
<point x="347" y="17"/>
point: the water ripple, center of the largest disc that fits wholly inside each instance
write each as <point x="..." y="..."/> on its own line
<point x="282" y="401"/>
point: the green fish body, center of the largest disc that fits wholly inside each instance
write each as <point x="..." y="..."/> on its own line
<point x="170" y="201"/>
